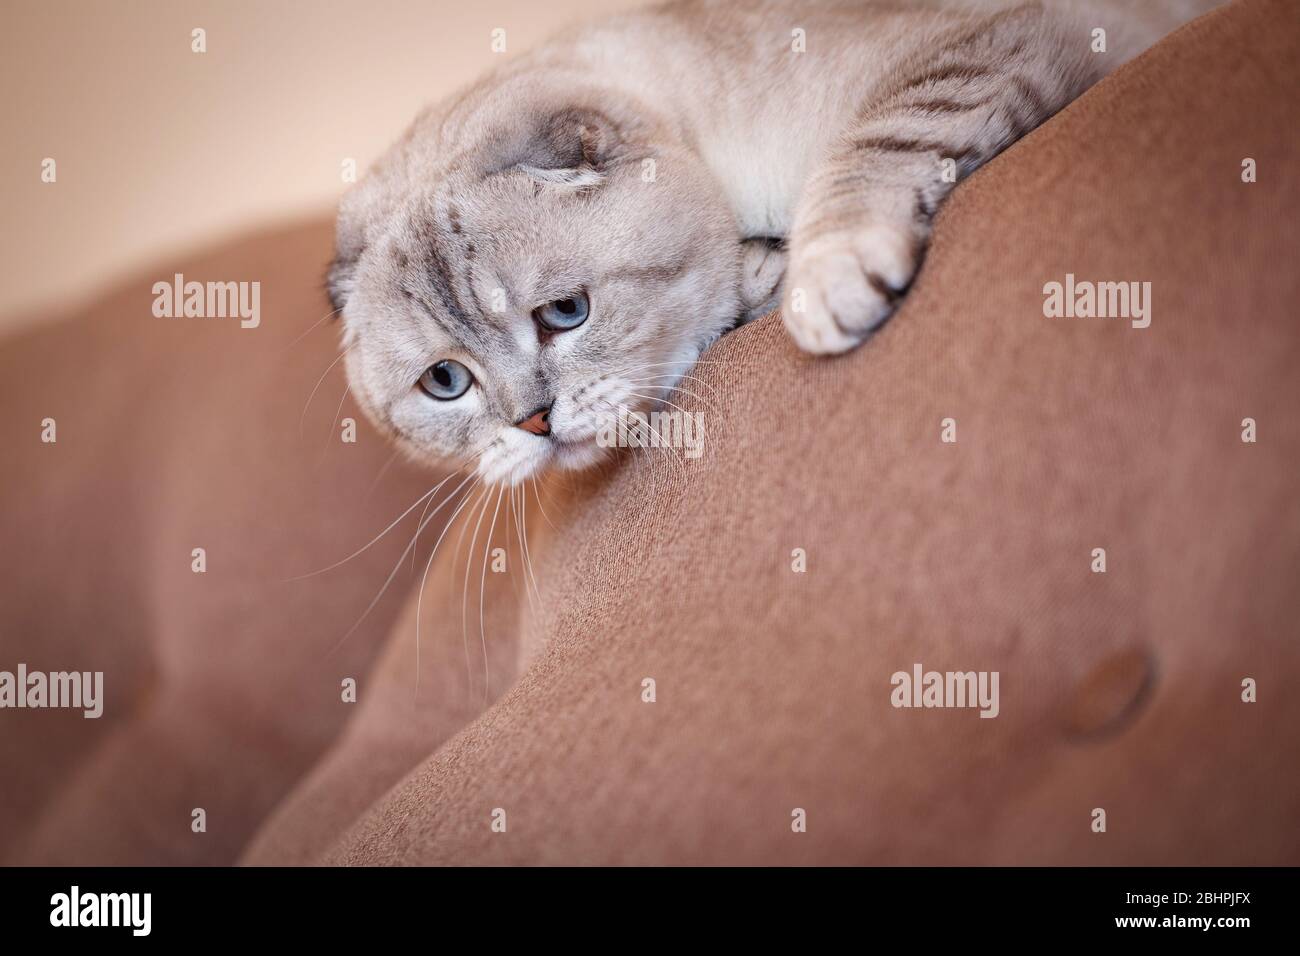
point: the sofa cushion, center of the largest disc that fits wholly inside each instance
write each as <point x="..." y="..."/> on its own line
<point x="1119" y="690"/>
<point x="774" y="688"/>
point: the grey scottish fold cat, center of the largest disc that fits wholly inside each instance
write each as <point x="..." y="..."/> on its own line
<point x="567" y="236"/>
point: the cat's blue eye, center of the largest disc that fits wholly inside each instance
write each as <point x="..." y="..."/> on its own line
<point x="563" y="314"/>
<point x="446" y="380"/>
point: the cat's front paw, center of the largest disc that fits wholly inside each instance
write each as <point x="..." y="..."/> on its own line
<point x="841" y="286"/>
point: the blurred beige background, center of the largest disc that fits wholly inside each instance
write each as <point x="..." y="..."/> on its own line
<point x="159" y="148"/>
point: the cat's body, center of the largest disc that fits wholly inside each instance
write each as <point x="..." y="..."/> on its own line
<point x="764" y="89"/>
<point x="640" y="173"/>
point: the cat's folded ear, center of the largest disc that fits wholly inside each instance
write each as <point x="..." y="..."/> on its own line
<point x="573" y="148"/>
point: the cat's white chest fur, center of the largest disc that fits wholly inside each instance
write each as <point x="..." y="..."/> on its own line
<point x="761" y="174"/>
<point x="758" y="126"/>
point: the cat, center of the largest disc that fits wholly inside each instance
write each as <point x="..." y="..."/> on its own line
<point x="566" y="237"/>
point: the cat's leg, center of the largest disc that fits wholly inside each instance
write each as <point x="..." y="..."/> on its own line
<point x="762" y="267"/>
<point x="864" y="217"/>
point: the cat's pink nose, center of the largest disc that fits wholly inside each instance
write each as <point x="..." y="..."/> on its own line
<point x="538" y="422"/>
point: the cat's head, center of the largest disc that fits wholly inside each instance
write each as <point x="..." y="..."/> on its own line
<point x="522" y="264"/>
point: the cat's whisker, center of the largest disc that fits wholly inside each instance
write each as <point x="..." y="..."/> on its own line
<point x="415" y="550"/>
<point x="464" y="529"/>
<point x="512" y="521"/>
<point x="302" y="419"/>
<point x="681" y="378"/>
<point x="654" y="381"/>
<point x="682" y="365"/>
<point x="482" y="589"/>
<point x="419" y="600"/>
<point x="661" y="400"/>
<point x="538" y="496"/>
<point x="677" y="387"/>
<point x="691" y="362"/>
<point x="650" y="381"/>
<point x="382" y="471"/>
<point x="528" y="557"/>
<point x="312" y="328"/>
<point x="660" y="444"/>
<point x="337" y="412"/>
<point x="464" y="594"/>
<point x="713" y="410"/>
<point x="392" y="574"/>
<point x="420" y="525"/>
<point x="719" y="420"/>
<point x="684" y="374"/>
<point x="654" y="485"/>
<point x="520" y="510"/>
<point x="427" y="495"/>
<point x="455" y="559"/>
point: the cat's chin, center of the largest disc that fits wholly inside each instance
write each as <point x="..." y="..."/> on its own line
<point x="573" y="455"/>
<point x="577" y="456"/>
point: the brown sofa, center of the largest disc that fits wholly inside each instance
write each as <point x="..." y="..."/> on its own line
<point x="1120" y="690"/>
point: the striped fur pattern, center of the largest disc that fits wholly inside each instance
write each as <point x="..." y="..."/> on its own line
<point x="685" y="167"/>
